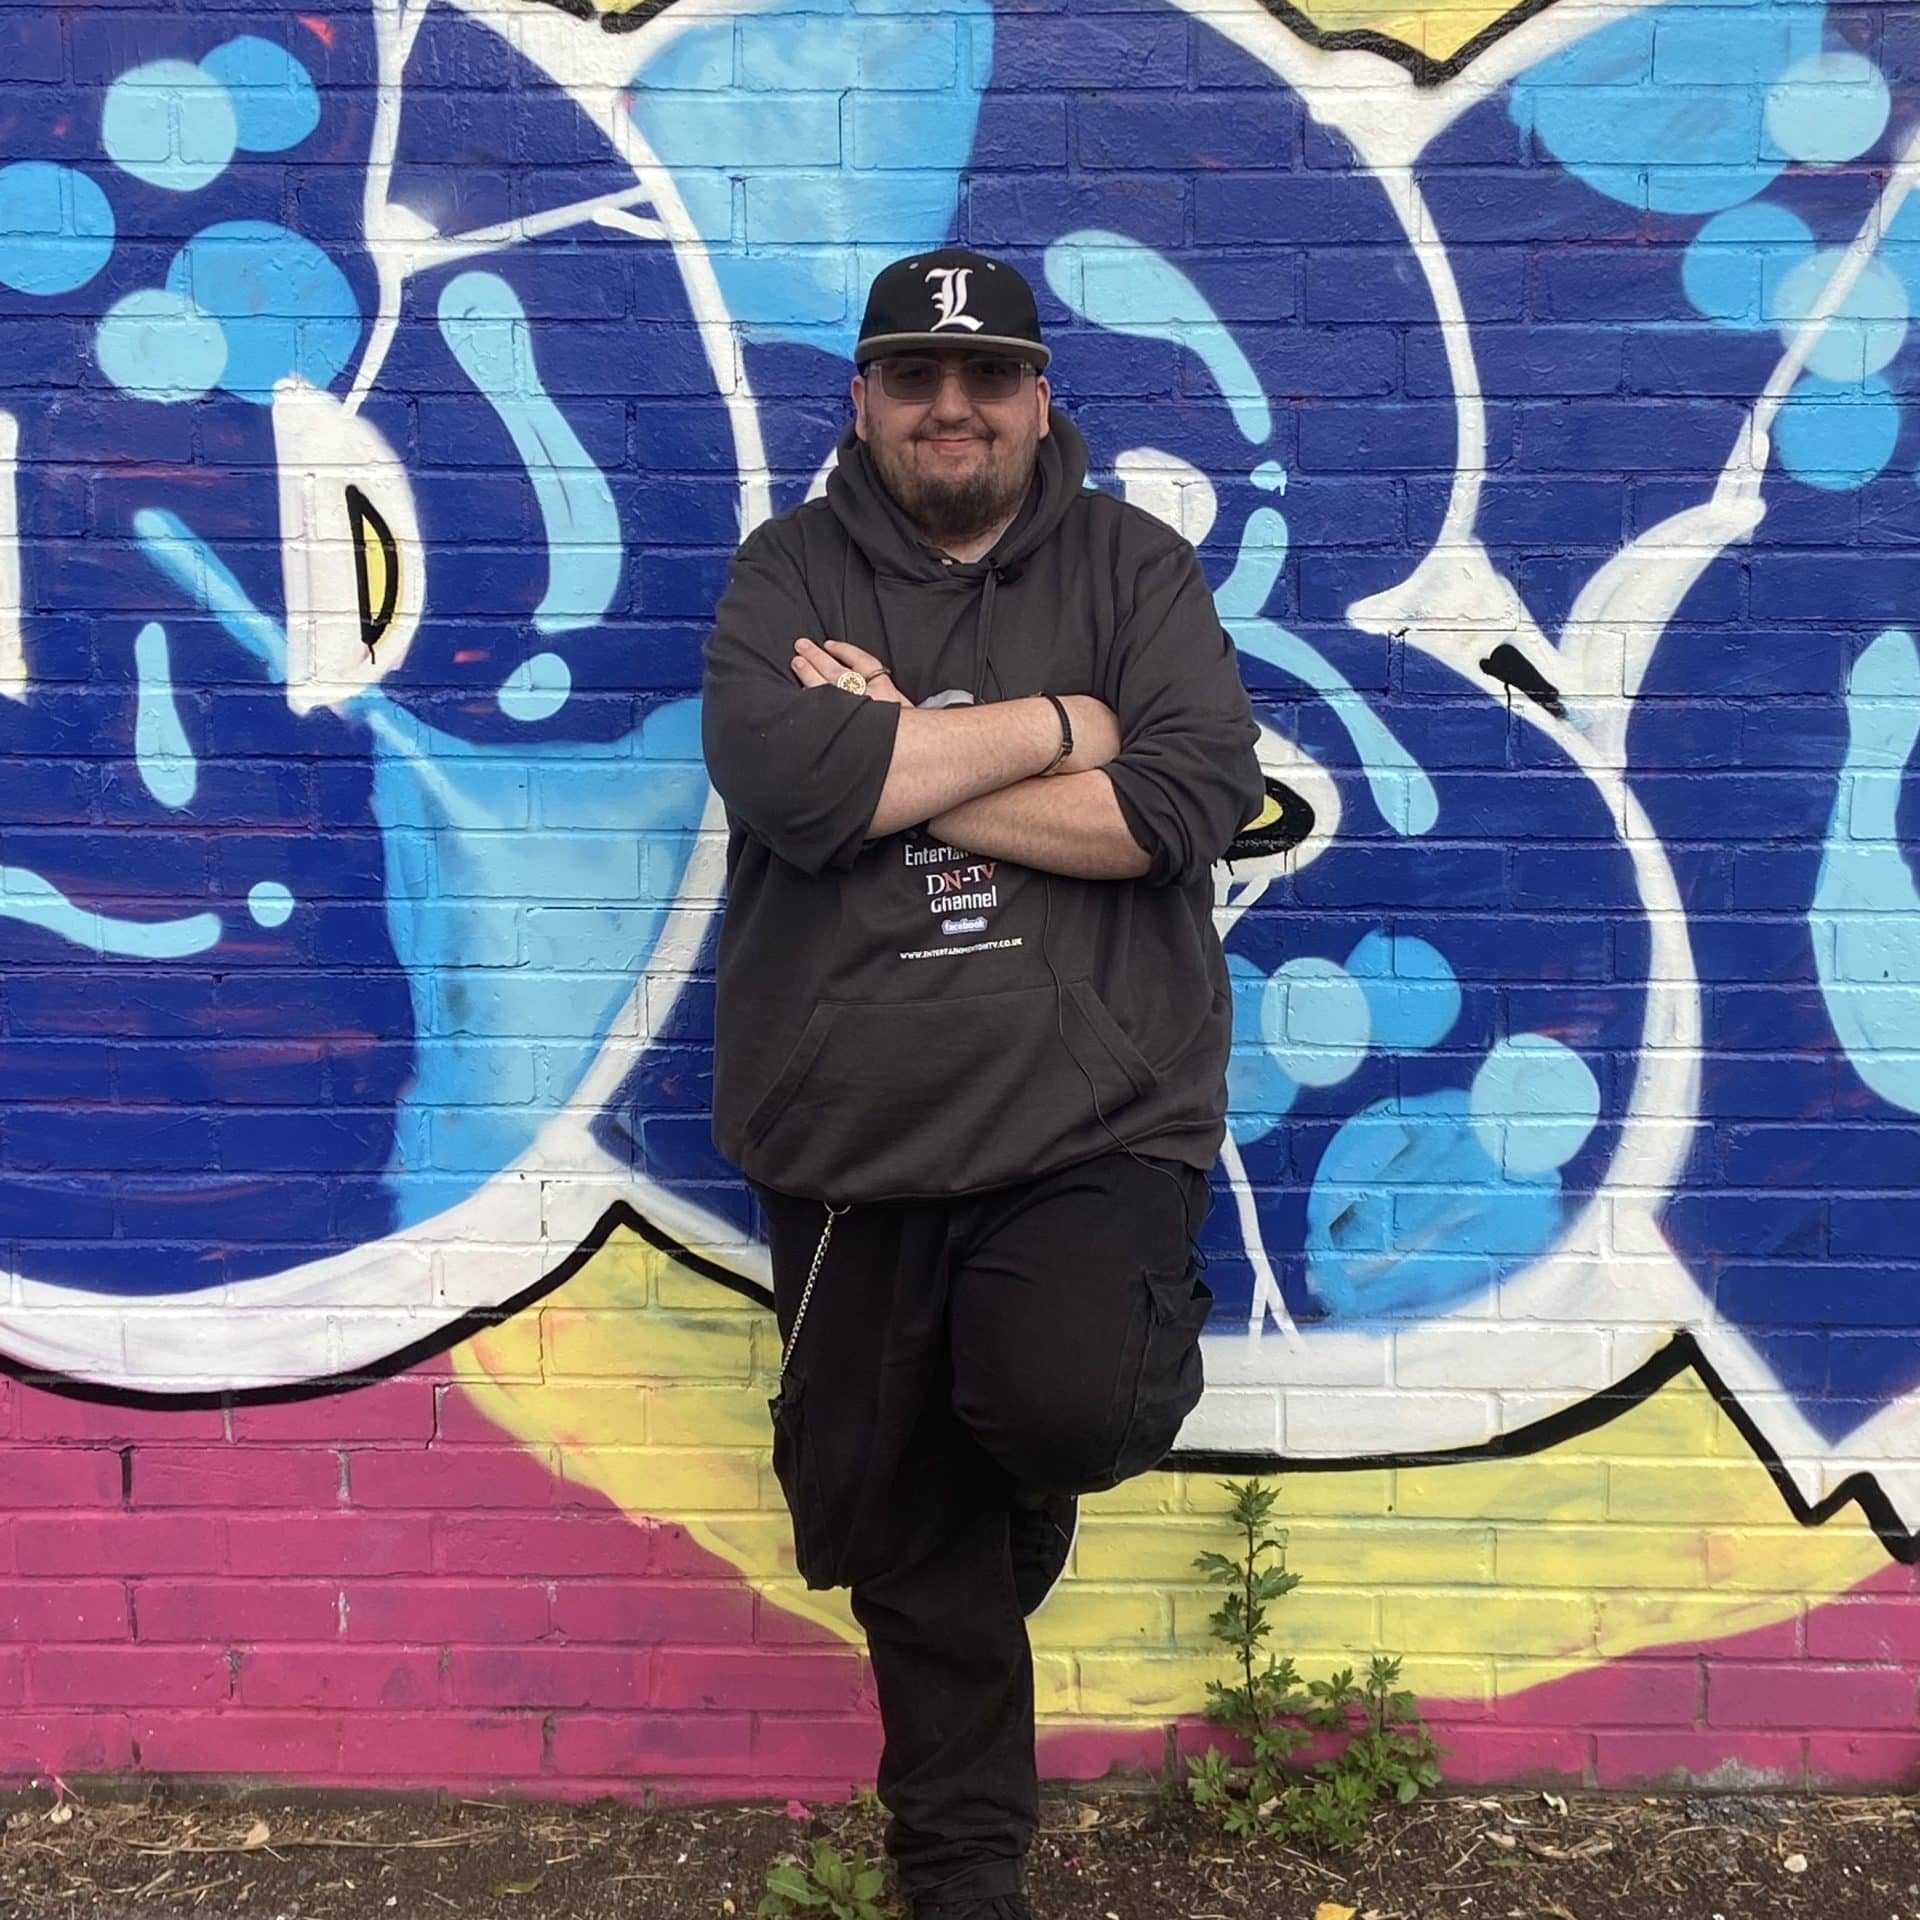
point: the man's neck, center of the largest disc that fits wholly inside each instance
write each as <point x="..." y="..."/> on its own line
<point x="980" y="545"/>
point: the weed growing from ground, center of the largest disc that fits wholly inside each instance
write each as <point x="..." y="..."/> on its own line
<point x="1387" y="1753"/>
<point x="832" y="1886"/>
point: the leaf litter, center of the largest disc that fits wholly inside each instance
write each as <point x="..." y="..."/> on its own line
<point x="110" y="1851"/>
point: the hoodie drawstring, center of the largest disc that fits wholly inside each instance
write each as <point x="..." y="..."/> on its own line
<point x="997" y="575"/>
<point x="982" y="654"/>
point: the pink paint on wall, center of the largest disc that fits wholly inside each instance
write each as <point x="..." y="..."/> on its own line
<point x="372" y="1589"/>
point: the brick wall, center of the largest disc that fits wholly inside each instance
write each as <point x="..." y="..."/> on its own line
<point x="381" y="394"/>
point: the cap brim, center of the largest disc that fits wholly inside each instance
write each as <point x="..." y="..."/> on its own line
<point x="877" y="346"/>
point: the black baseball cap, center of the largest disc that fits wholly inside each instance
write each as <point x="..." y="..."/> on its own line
<point x="951" y="298"/>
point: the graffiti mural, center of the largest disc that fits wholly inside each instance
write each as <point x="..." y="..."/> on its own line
<point x="387" y="386"/>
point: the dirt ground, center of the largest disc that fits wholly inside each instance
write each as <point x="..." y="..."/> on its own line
<point x="1106" y="1854"/>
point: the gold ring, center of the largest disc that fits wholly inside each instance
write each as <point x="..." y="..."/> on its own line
<point x="851" y="682"/>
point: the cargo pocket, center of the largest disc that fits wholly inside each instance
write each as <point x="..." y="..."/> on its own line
<point x="794" y="1467"/>
<point x="1171" y="1310"/>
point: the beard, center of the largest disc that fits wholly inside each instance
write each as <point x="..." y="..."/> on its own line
<point x="961" y="509"/>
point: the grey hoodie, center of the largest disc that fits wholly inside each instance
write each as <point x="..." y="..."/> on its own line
<point x="889" y="1024"/>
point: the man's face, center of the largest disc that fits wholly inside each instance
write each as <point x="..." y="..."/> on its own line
<point x="956" y="464"/>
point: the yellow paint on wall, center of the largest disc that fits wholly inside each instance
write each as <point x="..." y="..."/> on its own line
<point x="649" y="1383"/>
<point x="1437" y="28"/>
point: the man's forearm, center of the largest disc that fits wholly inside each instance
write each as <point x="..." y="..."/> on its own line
<point x="1069" y="824"/>
<point x="955" y="754"/>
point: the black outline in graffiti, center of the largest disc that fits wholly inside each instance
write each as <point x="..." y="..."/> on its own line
<point x="1682" y="1354"/>
<point x="627" y="22"/>
<point x="1291" y="826"/>
<point x="1427" y="72"/>
<point x="362" y="519"/>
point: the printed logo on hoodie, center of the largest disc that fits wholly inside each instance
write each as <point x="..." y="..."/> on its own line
<point x="956" y="882"/>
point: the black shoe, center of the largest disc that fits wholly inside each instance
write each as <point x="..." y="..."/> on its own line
<point x="999" y="1906"/>
<point x="1042" y="1534"/>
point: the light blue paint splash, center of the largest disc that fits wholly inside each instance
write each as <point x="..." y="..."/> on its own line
<point x="1662" y="113"/>
<point x="159" y="346"/>
<point x="270" y="903"/>
<point x="536" y="689"/>
<point x="56" y="228"/>
<point x="1867" y="330"/>
<point x="1409" y="1215"/>
<point x="283" y="305"/>
<point x="1270" y="477"/>
<point x="1865" y="916"/>
<point x="1315" y="1021"/>
<point x="204" y="578"/>
<point x="1259" y="1090"/>
<point x="451" y="816"/>
<point x="38" y="902"/>
<point x="160" y="748"/>
<point x="1400" y="786"/>
<point x="170" y="124"/>
<point x="534" y="831"/>
<point x="1837" y="434"/>
<point x="1126" y="287"/>
<point x="1826" y="109"/>
<point x="1419" y="1201"/>
<point x="275" y="104"/>
<point x="485" y="328"/>
<point x="1534" y="1103"/>
<point x="1413" y="996"/>
<point x="1678" y="129"/>
<point x="1733" y="265"/>
<point x="783" y="126"/>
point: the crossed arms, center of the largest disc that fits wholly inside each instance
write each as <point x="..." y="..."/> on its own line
<point x="979" y="777"/>
<point x="1159" y="781"/>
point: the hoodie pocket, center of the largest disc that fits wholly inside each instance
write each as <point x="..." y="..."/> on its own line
<point x="813" y="1036"/>
<point x="914" y="1097"/>
<point x="1111" y="1035"/>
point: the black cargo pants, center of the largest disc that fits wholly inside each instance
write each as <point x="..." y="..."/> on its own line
<point x="1036" y="1336"/>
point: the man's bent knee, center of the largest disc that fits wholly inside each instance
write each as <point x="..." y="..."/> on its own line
<point x="1081" y="1430"/>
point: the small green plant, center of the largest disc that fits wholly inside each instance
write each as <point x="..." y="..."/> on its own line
<point x="845" y="1886"/>
<point x="1388" y="1752"/>
<point x="865" y="1805"/>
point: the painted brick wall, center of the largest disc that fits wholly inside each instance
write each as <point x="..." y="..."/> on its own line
<point x="382" y="390"/>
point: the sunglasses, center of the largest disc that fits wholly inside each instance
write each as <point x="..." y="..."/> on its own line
<point x="918" y="379"/>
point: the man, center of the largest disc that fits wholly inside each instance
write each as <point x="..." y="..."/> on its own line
<point x="981" y="739"/>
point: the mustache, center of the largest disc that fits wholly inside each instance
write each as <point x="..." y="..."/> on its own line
<point x="951" y="433"/>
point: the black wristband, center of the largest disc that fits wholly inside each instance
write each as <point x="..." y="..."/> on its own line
<point x="1066" y="732"/>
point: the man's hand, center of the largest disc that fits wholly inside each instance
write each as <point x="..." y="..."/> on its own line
<point x="819" y="666"/>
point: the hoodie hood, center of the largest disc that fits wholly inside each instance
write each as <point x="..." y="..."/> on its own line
<point x="893" y="545"/>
